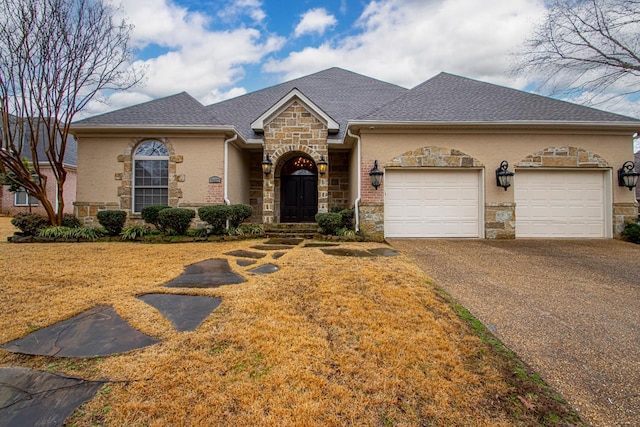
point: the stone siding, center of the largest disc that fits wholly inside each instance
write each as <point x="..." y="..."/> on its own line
<point x="372" y="220"/>
<point x="293" y="132"/>
<point x="434" y="157"/>
<point x="500" y="221"/>
<point x="623" y="213"/>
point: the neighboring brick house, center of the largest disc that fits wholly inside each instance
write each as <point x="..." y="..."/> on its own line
<point x="12" y="203"/>
<point x="439" y="146"/>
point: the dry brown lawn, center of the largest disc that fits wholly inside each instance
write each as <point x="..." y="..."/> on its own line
<point x="324" y="341"/>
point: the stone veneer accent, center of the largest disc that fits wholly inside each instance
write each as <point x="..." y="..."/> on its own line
<point x="564" y="157"/>
<point x="293" y="132"/>
<point x="500" y="221"/>
<point x="372" y="220"/>
<point x="434" y="157"/>
<point x="623" y="213"/>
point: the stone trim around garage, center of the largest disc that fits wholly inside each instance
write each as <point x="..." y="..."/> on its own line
<point x="622" y="214"/>
<point x="500" y="221"/>
<point x="563" y="157"/>
<point x="433" y="156"/>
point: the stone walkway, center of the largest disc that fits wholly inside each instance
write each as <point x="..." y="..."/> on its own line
<point x="30" y="397"/>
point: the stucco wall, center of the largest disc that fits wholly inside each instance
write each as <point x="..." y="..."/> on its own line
<point x="105" y="171"/>
<point x="239" y="175"/>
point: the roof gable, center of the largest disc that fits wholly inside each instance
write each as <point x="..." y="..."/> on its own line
<point x="340" y="94"/>
<point x="450" y="98"/>
<point x="175" y="110"/>
<point x="294" y="96"/>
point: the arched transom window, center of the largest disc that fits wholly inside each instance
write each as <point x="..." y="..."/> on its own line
<point x="151" y="175"/>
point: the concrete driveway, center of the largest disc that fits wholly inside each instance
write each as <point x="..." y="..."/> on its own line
<point x="568" y="308"/>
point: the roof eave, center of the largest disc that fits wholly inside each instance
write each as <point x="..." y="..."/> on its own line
<point x="621" y="126"/>
<point x="185" y="129"/>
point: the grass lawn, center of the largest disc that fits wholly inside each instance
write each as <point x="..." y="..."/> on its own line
<point x="324" y="341"/>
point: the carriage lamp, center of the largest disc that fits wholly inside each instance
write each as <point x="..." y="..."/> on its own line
<point x="376" y="175"/>
<point x="503" y="176"/>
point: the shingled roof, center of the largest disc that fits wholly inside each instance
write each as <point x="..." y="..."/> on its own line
<point x="175" y="110"/>
<point x="449" y="98"/>
<point x="341" y="94"/>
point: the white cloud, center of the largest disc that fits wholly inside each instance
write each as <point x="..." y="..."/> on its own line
<point x="408" y="41"/>
<point x="236" y="8"/>
<point x="197" y="59"/>
<point x="315" y="21"/>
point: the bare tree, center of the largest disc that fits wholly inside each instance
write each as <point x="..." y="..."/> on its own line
<point x="586" y="46"/>
<point x="55" y="57"/>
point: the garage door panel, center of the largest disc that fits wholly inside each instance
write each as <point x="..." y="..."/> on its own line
<point x="434" y="203"/>
<point x="560" y="204"/>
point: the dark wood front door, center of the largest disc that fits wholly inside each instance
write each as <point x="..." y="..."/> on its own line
<point x="299" y="198"/>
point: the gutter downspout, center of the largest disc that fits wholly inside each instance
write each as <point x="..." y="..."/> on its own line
<point x="357" y="202"/>
<point x="226" y="168"/>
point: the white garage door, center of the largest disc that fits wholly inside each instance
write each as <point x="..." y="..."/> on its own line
<point x="560" y="204"/>
<point x="433" y="203"/>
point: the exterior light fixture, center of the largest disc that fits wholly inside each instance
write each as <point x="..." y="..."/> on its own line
<point x="627" y="176"/>
<point x="503" y="176"/>
<point x="322" y="165"/>
<point x="376" y="175"/>
<point x="266" y="165"/>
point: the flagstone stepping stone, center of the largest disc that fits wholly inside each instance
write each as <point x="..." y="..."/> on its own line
<point x="347" y="252"/>
<point x="265" y="269"/>
<point x="246" y="254"/>
<point x="37" y="398"/>
<point x="278" y="255"/>
<point x="292" y="241"/>
<point x="384" y="252"/>
<point x="272" y="247"/>
<point x="245" y="262"/>
<point x="185" y="312"/>
<point x="320" y="245"/>
<point x="99" y="331"/>
<point x="206" y="274"/>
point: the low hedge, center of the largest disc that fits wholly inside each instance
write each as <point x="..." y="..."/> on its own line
<point x="112" y="221"/>
<point x="216" y="216"/>
<point x="176" y="219"/>
<point x="30" y="223"/>
<point x="150" y="215"/>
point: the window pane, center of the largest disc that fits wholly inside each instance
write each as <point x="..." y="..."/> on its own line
<point x="20" y="198"/>
<point x="150" y="196"/>
<point x="152" y="173"/>
<point x="152" y="148"/>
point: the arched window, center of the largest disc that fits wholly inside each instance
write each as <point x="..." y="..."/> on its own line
<point x="150" y="175"/>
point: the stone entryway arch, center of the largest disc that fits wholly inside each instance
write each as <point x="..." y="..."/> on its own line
<point x="313" y="189"/>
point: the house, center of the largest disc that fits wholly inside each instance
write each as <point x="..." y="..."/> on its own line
<point x="12" y="203"/>
<point x="438" y="146"/>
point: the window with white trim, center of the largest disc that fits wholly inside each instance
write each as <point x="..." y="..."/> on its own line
<point x="23" y="198"/>
<point x="150" y="175"/>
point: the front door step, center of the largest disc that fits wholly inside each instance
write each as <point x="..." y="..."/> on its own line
<point x="305" y="230"/>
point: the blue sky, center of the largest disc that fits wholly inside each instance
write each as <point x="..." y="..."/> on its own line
<point x="217" y="49"/>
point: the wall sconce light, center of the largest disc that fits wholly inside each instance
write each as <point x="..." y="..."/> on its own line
<point x="503" y="176"/>
<point x="627" y="176"/>
<point x="376" y="175"/>
<point x="322" y="165"/>
<point x="267" y="164"/>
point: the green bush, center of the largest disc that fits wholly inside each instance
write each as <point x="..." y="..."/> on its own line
<point x="135" y="231"/>
<point x="216" y="216"/>
<point x="70" y="221"/>
<point x="150" y="215"/>
<point x="631" y="232"/>
<point x="347" y="216"/>
<point x="238" y="214"/>
<point x="329" y="223"/>
<point x="69" y="233"/>
<point x="30" y="223"/>
<point x="112" y="221"/>
<point x="176" y="219"/>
